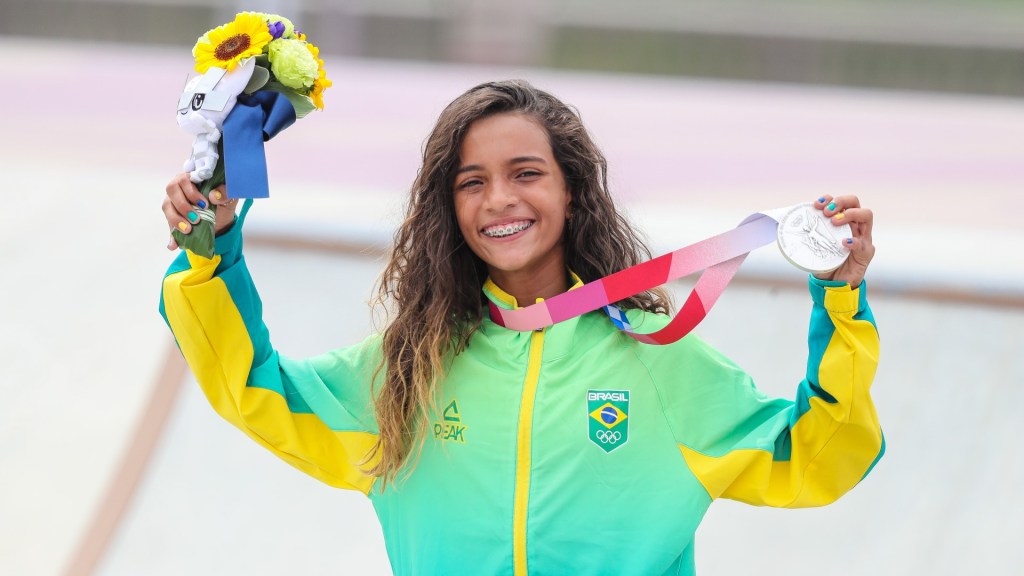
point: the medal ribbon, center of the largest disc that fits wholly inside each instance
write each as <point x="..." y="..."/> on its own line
<point x="719" y="256"/>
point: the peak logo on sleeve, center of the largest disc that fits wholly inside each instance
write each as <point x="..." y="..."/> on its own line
<point x="450" y="428"/>
<point x="609" y="411"/>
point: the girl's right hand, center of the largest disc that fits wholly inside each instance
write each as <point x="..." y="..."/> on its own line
<point x="180" y="207"/>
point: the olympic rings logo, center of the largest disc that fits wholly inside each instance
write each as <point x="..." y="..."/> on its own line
<point x="606" y="437"/>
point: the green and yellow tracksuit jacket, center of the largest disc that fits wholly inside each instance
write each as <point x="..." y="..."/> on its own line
<point x="570" y="450"/>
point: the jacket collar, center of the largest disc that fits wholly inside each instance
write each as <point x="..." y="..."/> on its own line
<point x="558" y="338"/>
<point x="507" y="301"/>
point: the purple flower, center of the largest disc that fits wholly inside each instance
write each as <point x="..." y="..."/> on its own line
<point x="276" y="29"/>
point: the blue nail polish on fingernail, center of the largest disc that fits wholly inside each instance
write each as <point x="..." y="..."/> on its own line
<point x="849" y="240"/>
<point x="193" y="217"/>
<point x="821" y="200"/>
<point x="832" y="206"/>
<point x="201" y="204"/>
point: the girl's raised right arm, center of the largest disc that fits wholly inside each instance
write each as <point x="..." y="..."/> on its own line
<point x="316" y="414"/>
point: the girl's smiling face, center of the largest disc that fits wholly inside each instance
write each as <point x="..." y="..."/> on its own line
<point x="511" y="203"/>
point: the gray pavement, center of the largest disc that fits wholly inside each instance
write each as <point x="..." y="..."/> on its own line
<point x="85" y="159"/>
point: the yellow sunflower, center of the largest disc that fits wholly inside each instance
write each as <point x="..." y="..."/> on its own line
<point x="227" y="45"/>
<point x="321" y="83"/>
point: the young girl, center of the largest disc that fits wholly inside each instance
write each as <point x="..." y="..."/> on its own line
<point x="573" y="449"/>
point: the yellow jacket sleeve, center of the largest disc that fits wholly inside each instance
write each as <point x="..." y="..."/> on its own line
<point x="315" y="414"/>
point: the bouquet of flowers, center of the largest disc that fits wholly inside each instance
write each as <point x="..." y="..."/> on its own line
<point x="258" y="74"/>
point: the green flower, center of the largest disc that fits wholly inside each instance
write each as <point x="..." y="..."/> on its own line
<point x="292" y="64"/>
<point x="289" y="28"/>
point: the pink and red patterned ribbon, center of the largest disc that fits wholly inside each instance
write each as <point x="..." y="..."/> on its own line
<point x="719" y="256"/>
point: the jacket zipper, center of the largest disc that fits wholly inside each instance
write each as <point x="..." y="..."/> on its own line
<point x="523" y="456"/>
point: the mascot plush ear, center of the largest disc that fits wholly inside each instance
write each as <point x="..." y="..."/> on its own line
<point x="204" y="104"/>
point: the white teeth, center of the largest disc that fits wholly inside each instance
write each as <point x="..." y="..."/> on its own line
<point x="507" y="230"/>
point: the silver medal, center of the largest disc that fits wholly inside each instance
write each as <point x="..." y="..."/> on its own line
<point x="810" y="241"/>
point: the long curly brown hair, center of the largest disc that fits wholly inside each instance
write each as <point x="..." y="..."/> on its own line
<point x="433" y="282"/>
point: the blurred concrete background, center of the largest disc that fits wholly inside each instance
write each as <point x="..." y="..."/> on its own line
<point x="110" y="461"/>
<point x="970" y="46"/>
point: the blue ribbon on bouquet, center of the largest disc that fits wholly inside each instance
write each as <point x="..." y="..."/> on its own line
<point x="256" y="118"/>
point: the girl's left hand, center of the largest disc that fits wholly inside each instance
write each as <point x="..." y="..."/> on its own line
<point x="846" y="210"/>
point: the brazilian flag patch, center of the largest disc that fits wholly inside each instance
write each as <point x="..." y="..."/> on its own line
<point x="609" y="418"/>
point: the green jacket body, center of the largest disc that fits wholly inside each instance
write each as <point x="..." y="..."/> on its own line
<point x="571" y="450"/>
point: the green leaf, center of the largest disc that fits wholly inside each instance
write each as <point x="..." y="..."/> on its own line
<point x="303" y="104"/>
<point x="260" y="76"/>
<point x="199" y="241"/>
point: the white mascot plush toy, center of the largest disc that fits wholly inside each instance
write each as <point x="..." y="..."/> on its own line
<point x="202" y="108"/>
